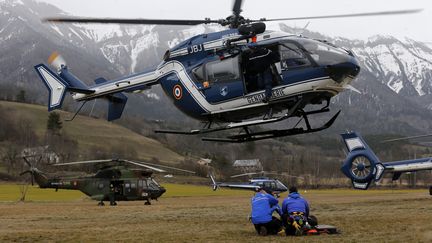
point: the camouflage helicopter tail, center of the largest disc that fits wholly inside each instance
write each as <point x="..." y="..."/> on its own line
<point x="35" y="174"/>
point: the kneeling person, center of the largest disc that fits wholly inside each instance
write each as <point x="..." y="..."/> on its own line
<point x="295" y="210"/>
<point x="263" y="206"/>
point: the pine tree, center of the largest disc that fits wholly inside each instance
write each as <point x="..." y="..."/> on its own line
<point x="54" y="124"/>
<point x="21" y="96"/>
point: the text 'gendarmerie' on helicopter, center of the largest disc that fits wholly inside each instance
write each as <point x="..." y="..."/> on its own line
<point x="113" y="182"/>
<point x="207" y="76"/>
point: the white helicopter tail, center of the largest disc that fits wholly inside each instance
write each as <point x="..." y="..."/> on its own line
<point x="58" y="84"/>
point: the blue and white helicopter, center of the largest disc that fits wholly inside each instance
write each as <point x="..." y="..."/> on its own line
<point x="273" y="186"/>
<point x="206" y="78"/>
<point x="363" y="167"/>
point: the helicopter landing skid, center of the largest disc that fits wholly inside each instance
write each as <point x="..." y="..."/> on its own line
<point x="233" y="125"/>
<point x="249" y="136"/>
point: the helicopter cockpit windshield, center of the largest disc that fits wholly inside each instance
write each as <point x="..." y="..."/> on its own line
<point x="152" y="184"/>
<point x="325" y="53"/>
<point x="280" y="185"/>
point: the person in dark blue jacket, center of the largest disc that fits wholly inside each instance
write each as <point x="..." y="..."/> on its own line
<point x="295" y="212"/>
<point x="260" y="70"/>
<point x="263" y="206"/>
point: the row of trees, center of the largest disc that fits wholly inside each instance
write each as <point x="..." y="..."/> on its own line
<point x="18" y="138"/>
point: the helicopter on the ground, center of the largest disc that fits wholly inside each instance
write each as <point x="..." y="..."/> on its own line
<point x="363" y="167"/>
<point x="113" y="182"/>
<point x="271" y="185"/>
<point x="210" y="76"/>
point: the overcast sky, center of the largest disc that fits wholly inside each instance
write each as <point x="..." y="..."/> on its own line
<point x="416" y="26"/>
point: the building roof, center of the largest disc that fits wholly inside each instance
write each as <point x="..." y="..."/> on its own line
<point x="203" y="161"/>
<point x="247" y="163"/>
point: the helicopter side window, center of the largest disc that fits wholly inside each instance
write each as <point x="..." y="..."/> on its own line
<point x="140" y="183"/>
<point x="133" y="185"/>
<point x="101" y="185"/>
<point x="292" y="57"/>
<point x="219" y="71"/>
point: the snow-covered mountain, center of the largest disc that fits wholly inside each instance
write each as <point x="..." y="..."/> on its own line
<point x="395" y="80"/>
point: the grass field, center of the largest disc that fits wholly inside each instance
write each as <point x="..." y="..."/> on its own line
<point x="102" y="133"/>
<point x="195" y="213"/>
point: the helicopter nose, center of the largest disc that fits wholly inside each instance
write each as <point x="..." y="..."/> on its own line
<point x="339" y="72"/>
<point x="162" y="190"/>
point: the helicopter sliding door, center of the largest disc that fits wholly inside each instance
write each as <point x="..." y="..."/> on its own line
<point x="130" y="188"/>
<point x="223" y="78"/>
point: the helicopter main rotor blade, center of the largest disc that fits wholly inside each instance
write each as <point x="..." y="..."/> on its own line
<point x="409" y="11"/>
<point x="406" y="138"/>
<point x="162" y="166"/>
<point x="88" y="162"/>
<point x="245" y="174"/>
<point x="85" y="20"/>
<point x="145" y="166"/>
<point x="236" y="12"/>
<point x="237" y="7"/>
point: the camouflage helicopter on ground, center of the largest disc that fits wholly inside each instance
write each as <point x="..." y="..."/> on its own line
<point x="113" y="182"/>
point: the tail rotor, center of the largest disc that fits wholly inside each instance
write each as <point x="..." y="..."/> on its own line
<point x="32" y="170"/>
<point x="361" y="165"/>
<point x="57" y="61"/>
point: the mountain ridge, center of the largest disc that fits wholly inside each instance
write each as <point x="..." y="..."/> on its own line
<point x="395" y="79"/>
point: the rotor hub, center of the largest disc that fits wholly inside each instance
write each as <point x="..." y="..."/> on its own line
<point x="361" y="166"/>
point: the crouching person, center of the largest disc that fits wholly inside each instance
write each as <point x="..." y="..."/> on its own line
<point x="295" y="213"/>
<point x="263" y="206"/>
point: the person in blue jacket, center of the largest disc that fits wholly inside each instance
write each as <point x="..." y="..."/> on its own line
<point x="263" y="206"/>
<point x="295" y="212"/>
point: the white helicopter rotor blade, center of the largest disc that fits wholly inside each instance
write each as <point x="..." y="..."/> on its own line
<point x="87" y="162"/>
<point x="245" y="174"/>
<point x="163" y="166"/>
<point x="406" y="138"/>
<point x="352" y="88"/>
<point x="145" y="166"/>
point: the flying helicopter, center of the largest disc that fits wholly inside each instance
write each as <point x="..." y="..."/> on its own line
<point x="271" y="185"/>
<point x="207" y="77"/>
<point x="113" y="182"/>
<point x="363" y="167"/>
